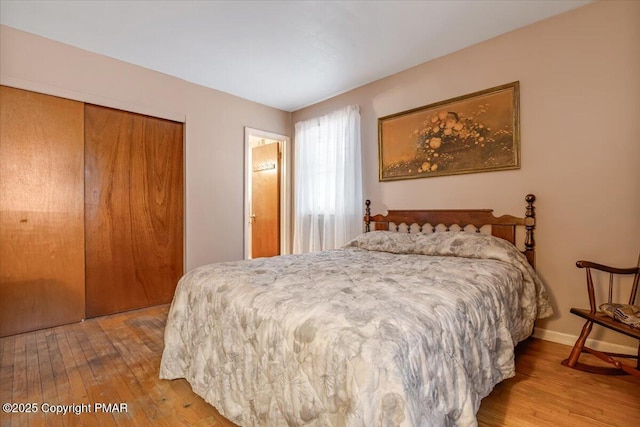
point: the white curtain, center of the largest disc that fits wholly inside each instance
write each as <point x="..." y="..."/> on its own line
<point x="328" y="187"/>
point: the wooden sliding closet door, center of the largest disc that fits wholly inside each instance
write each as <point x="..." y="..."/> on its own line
<point x="133" y="210"/>
<point x="41" y="211"/>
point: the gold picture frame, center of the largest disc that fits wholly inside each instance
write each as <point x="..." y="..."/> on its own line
<point x="477" y="132"/>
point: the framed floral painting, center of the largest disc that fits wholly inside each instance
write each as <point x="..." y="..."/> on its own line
<point x="478" y="132"/>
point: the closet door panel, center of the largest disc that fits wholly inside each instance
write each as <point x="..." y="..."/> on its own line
<point x="133" y="210"/>
<point x="41" y="211"/>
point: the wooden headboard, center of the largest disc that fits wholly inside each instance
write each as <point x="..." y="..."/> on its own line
<point x="503" y="226"/>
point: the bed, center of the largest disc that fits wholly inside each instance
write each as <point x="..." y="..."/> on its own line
<point x="407" y="325"/>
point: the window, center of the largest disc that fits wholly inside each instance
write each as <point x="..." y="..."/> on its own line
<point x="328" y="196"/>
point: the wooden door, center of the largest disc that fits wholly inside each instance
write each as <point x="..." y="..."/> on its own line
<point x="41" y="211"/>
<point x="133" y="210"/>
<point x="265" y="201"/>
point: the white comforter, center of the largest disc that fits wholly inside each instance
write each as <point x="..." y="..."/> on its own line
<point x="377" y="333"/>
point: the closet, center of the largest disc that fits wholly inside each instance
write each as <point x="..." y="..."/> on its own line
<point x="91" y="210"/>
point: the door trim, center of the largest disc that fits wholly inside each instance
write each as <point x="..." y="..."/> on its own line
<point x="285" y="188"/>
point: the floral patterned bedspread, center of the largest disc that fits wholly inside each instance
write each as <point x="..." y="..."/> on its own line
<point x="391" y="330"/>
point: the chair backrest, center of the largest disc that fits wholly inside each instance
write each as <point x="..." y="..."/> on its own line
<point x="634" y="286"/>
<point x="612" y="272"/>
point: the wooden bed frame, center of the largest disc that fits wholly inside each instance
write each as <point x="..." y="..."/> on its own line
<point x="503" y="226"/>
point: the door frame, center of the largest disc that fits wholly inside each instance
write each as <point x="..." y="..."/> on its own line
<point x="285" y="188"/>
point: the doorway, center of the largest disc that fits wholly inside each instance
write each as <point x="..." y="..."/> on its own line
<point x="267" y="194"/>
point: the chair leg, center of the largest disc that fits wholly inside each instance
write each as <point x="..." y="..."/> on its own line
<point x="579" y="348"/>
<point x="579" y="345"/>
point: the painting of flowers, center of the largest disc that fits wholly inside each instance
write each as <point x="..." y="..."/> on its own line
<point x="478" y="132"/>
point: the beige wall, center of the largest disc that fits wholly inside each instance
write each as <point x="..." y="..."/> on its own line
<point x="214" y="128"/>
<point x="579" y="78"/>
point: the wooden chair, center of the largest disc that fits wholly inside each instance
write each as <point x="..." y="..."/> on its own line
<point x="594" y="316"/>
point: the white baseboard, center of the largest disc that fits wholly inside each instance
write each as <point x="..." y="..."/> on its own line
<point x="568" y="339"/>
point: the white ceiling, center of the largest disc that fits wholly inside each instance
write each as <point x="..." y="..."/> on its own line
<point x="285" y="54"/>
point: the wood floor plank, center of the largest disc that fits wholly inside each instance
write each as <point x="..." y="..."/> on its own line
<point x="20" y="368"/>
<point x="78" y="394"/>
<point x="87" y="366"/>
<point x="60" y="389"/>
<point x="6" y="377"/>
<point x="112" y="388"/>
<point x="544" y="392"/>
<point x="142" y="405"/>
<point x="147" y="348"/>
<point x="128" y="352"/>
<point x="47" y="382"/>
<point x="117" y="359"/>
<point x="34" y="384"/>
<point x="6" y="369"/>
<point x="116" y="387"/>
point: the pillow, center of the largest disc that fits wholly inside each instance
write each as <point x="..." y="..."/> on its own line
<point x="385" y="241"/>
<point x="459" y="244"/>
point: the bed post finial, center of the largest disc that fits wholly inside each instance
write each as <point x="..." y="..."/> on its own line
<point x="367" y="216"/>
<point x="530" y="224"/>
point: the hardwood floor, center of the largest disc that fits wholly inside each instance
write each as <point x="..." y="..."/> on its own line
<point x="115" y="359"/>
